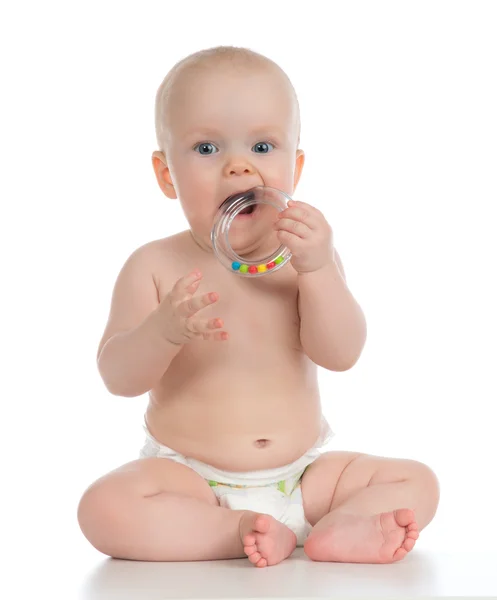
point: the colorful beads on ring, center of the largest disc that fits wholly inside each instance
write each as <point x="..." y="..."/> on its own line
<point x="236" y="266"/>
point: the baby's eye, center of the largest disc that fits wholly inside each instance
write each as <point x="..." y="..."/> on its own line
<point x="262" y="147"/>
<point x="205" y="148"/>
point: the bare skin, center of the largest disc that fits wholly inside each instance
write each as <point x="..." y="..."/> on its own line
<point x="266" y="542"/>
<point x="191" y="415"/>
<point x="238" y="391"/>
<point x="384" y="538"/>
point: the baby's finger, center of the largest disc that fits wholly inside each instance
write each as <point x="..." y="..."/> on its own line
<point x="204" y="326"/>
<point x="191" y="306"/>
<point x="186" y="286"/>
<point x="218" y="336"/>
<point x="299" y="228"/>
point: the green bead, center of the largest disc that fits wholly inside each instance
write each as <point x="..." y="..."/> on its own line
<point x="243" y="268"/>
<point x="278" y="260"/>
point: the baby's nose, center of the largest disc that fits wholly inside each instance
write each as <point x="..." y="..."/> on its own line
<point x="238" y="167"/>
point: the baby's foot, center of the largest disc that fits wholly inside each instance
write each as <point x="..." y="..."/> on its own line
<point x="265" y="540"/>
<point x="382" y="538"/>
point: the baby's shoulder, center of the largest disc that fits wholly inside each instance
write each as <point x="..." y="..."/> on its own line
<point x="158" y="251"/>
<point x="162" y="258"/>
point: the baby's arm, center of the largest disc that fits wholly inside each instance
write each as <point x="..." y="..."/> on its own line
<point x="332" y="324"/>
<point x="134" y="352"/>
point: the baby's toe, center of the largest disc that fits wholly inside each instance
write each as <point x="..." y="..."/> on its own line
<point x="262" y="563"/>
<point x="399" y="554"/>
<point x="249" y="550"/>
<point x="408" y="544"/>
<point x="404" y="517"/>
<point x="249" y="539"/>
<point x="255" y="557"/>
<point x="412" y="528"/>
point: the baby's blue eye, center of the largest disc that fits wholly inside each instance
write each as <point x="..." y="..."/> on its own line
<point x="204" y="148"/>
<point x="262" y="147"/>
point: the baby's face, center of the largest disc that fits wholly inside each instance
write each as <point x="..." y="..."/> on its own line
<point x="230" y="131"/>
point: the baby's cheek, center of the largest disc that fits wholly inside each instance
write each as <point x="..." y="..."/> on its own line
<point x="281" y="180"/>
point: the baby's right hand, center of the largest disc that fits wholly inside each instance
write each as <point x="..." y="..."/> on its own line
<point x="179" y="309"/>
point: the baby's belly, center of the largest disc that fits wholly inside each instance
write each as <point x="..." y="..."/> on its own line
<point x="239" y="421"/>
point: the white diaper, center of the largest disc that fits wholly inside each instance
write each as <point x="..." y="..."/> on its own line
<point x="275" y="492"/>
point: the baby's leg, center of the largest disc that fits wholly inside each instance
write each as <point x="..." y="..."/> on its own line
<point x="366" y="508"/>
<point x="154" y="509"/>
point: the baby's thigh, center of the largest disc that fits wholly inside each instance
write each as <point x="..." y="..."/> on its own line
<point x="140" y="479"/>
<point x="336" y="476"/>
<point x="320" y="482"/>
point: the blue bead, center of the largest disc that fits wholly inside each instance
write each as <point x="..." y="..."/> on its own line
<point x="235" y="266"/>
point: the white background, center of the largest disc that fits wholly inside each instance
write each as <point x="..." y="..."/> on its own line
<point x="398" y="103"/>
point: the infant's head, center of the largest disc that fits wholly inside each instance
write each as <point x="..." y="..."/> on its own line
<point x="227" y="119"/>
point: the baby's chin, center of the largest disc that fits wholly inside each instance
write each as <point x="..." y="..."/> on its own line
<point x="257" y="249"/>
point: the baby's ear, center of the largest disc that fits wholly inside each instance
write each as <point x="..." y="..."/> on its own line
<point x="299" y="165"/>
<point x="163" y="174"/>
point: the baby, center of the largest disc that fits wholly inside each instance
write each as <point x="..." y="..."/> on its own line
<point x="232" y="463"/>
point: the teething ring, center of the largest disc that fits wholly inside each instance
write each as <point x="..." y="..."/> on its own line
<point x="227" y="212"/>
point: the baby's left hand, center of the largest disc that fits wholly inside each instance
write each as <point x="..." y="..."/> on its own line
<point x="308" y="235"/>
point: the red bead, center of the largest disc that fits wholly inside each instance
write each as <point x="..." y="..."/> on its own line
<point x="253" y="269"/>
<point x="271" y="265"/>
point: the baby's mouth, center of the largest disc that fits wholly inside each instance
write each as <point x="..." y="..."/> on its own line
<point x="247" y="211"/>
<point x="233" y="197"/>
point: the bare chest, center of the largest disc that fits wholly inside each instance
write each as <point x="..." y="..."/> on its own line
<point x="259" y="314"/>
<point x="218" y="399"/>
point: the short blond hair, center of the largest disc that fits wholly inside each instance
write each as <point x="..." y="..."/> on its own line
<point x="233" y="56"/>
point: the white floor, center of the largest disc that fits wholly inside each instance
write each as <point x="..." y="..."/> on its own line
<point x="421" y="575"/>
<point x="59" y="563"/>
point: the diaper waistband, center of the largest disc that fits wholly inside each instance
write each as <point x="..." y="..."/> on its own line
<point x="248" y="478"/>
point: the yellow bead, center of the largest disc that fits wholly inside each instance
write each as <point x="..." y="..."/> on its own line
<point x="261" y="268"/>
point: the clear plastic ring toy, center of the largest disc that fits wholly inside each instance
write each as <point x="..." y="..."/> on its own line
<point x="243" y="236"/>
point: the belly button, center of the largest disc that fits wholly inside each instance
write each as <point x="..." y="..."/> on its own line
<point x="262" y="443"/>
